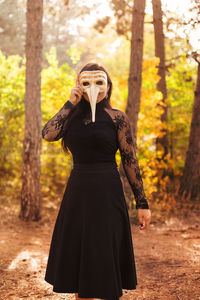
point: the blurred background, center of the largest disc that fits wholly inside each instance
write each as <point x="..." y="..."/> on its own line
<point x="75" y="32"/>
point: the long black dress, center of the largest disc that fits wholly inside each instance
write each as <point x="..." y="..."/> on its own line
<point x="91" y="250"/>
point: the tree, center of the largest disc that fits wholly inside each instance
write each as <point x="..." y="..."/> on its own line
<point x="135" y="69"/>
<point x="189" y="186"/>
<point x="161" y="142"/>
<point x="30" y="193"/>
<point x="135" y="72"/>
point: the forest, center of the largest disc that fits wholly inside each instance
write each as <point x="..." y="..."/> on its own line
<point x="151" y="49"/>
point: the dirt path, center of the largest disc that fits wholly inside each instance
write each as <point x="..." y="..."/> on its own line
<point x="167" y="259"/>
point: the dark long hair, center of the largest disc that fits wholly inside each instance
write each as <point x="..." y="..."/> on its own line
<point x="77" y="109"/>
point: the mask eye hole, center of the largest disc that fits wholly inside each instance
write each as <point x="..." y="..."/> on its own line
<point x="85" y="83"/>
<point x="99" y="82"/>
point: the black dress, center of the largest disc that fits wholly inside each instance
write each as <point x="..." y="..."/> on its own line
<point x="91" y="250"/>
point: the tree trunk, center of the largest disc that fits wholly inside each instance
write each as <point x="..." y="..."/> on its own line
<point x="189" y="186"/>
<point x="31" y="194"/>
<point x="162" y="143"/>
<point x="135" y="75"/>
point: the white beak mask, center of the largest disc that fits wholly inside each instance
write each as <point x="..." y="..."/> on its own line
<point x="93" y="83"/>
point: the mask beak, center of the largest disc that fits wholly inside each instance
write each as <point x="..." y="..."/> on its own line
<point x="93" y="92"/>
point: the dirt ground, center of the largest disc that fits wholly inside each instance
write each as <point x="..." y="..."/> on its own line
<point x="167" y="258"/>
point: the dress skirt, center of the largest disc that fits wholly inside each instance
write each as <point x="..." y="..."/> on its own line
<point x="91" y="251"/>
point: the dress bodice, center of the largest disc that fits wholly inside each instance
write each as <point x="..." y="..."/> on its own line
<point x="98" y="142"/>
<point x="92" y="142"/>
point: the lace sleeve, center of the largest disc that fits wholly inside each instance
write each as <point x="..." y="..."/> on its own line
<point x="129" y="159"/>
<point x="54" y="128"/>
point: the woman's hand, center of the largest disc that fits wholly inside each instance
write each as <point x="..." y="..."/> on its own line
<point x="76" y="92"/>
<point x="144" y="216"/>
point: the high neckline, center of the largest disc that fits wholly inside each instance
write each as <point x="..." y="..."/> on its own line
<point x="99" y="105"/>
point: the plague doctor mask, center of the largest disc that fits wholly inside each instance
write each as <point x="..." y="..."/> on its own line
<point x="93" y="83"/>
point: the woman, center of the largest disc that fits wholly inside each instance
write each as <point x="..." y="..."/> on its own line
<point x="91" y="252"/>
